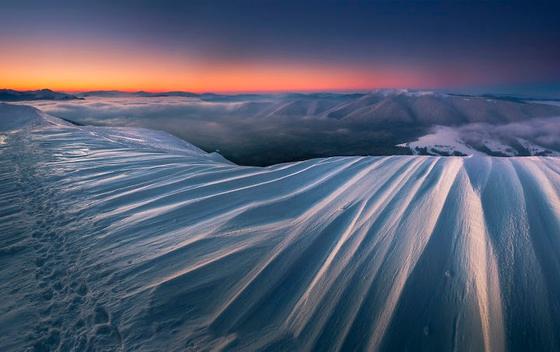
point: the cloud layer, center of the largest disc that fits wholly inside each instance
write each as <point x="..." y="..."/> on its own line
<point x="253" y="131"/>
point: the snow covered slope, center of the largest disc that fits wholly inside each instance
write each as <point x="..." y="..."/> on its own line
<point x="121" y="240"/>
<point x="478" y="140"/>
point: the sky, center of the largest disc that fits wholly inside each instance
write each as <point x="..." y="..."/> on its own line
<point x="257" y="46"/>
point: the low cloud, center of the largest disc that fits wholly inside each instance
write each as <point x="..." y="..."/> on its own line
<point x="252" y="132"/>
<point x="542" y="131"/>
<point x="247" y="132"/>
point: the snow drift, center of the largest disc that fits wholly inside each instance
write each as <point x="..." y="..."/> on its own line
<point x="129" y="239"/>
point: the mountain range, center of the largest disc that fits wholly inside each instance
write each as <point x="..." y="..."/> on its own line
<point x="264" y="129"/>
<point x="27" y="95"/>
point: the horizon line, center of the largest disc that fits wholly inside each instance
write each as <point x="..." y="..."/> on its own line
<point x="451" y="90"/>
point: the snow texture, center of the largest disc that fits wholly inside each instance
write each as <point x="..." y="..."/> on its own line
<point x="126" y="240"/>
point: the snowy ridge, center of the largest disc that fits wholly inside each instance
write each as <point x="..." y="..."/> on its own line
<point x="109" y="243"/>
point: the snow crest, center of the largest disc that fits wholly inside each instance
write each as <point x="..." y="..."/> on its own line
<point x="132" y="240"/>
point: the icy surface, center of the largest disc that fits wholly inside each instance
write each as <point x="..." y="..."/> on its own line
<point x="122" y="240"/>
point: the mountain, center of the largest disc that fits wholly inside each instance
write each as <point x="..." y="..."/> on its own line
<point x="130" y="239"/>
<point x="393" y="106"/>
<point x="202" y="96"/>
<point x="266" y="129"/>
<point x="143" y="94"/>
<point x="377" y="107"/>
<point x="43" y="94"/>
<point x="402" y="107"/>
<point x="418" y="108"/>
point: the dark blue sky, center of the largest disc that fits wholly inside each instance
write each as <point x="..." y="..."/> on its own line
<point x="440" y="44"/>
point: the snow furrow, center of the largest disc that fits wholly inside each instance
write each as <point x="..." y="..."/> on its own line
<point x="134" y="240"/>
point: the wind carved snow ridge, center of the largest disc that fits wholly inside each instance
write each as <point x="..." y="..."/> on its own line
<point x="133" y="240"/>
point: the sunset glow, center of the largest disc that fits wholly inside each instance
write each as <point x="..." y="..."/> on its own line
<point x="71" y="66"/>
<point x="279" y="175"/>
<point x="281" y="47"/>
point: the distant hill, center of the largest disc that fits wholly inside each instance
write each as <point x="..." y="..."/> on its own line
<point x="441" y="109"/>
<point x="42" y="94"/>
<point x="266" y="129"/>
<point x="118" y="94"/>
<point x="400" y="107"/>
<point x="378" y="107"/>
<point x="202" y="96"/>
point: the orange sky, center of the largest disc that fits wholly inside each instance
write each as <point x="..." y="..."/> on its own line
<point x="68" y="76"/>
<point x="235" y="79"/>
<point x="275" y="45"/>
<point x="77" y="67"/>
<point x="75" y="64"/>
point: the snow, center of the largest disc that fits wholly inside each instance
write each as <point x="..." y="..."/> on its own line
<point x="442" y="141"/>
<point x="14" y="117"/>
<point x="407" y="92"/>
<point x="146" y="138"/>
<point x="546" y="102"/>
<point x="485" y="139"/>
<point x="534" y="149"/>
<point x="130" y="239"/>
